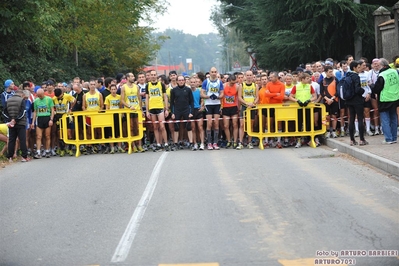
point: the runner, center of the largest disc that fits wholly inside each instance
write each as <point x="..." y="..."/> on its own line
<point x="230" y="110"/>
<point x="63" y="104"/>
<point x="43" y="115"/>
<point x="156" y="105"/>
<point x="212" y="92"/>
<point x="248" y="97"/>
<point x="182" y="108"/>
<point x="130" y="97"/>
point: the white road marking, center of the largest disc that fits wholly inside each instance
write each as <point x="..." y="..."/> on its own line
<point x="123" y="248"/>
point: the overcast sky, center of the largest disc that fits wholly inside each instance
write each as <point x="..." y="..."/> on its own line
<point x="190" y="16"/>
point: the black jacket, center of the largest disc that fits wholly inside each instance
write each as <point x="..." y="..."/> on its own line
<point x="358" y="98"/>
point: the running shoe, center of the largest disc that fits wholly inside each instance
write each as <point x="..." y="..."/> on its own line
<point x="228" y="145"/>
<point x="334" y="135"/>
<point x="250" y="146"/>
<point x="48" y="154"/>
<point x="166" y="147"/>
<point x="215" y="146"/>
<point x="112" y="151"/>
<point x="278" y="145"/>
<point x="121" y="150"/>
<point x="201" y="147"/>
<point x="328" y="135"/>
<point x="210" y="147"/>
<point x="357" y="134"/>
<point x="62" y="153"/>
<point x="298" y="144"/>
<point x="194" y="147"/>
<point x="239" y="146"/>
<point x="24" y="160"/>
<point x="342" y="134"/>
<point x="369" y="133"/>
<point x="376" y="132"/>
<point x="140" y="149"/>
<point x="316" y="139"/>
<point x="135" y="150"/>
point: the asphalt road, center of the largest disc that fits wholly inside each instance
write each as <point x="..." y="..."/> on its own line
<point x="227" y="207"/>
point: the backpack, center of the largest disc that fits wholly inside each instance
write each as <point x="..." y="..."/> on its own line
<point x="345" y="88"/>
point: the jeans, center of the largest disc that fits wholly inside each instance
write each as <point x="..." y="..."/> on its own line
<point x="389" y="123"/>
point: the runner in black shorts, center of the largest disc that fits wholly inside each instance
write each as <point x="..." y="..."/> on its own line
<point x="182" y="107"/>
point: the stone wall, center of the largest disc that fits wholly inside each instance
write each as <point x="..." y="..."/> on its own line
<point x="386" y="32"/>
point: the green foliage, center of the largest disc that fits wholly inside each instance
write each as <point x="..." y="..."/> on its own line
<point x="40" y="38"/>
<point x="286" y="33"/>
<point x="177" y="46"/>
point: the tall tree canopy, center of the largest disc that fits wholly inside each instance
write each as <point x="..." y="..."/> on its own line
<point x="286" y="33"/>
<point x="63" y="38"/>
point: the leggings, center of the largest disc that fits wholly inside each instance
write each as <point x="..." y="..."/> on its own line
<point x="356" y="110"/>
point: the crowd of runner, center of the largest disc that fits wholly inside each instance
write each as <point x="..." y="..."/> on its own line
<point x="201" y="111"/>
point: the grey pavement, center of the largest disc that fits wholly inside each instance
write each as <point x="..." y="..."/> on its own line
<point x="377" y="154"/>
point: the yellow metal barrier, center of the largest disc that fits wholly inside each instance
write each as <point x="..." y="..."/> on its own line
<point x="100" y="120"/>
<point x="289" y="115"/>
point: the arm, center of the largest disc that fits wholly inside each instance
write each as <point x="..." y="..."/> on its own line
<point x="123" y="97"/>
<point x="84" y="102"/>
<point x="101" y="102"/>
<point x="379" y="85"/>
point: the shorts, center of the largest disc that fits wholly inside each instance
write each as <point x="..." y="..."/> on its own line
<point x="332" y="109"/>
<point x="57" y="121"/>
<point x="42" y="122"/>
<point x="341" y="104"/>
<point x="243" y="108"/>
<point x="182" y="116"/>
<point x="156" y="111"/>
<point x="230" y="111"/>
<point x="213" y="109"/>
<point x="197" y="114"/>
<point x="368" y="104"/>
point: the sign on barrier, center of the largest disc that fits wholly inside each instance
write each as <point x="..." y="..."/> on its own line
<point x="100" y="127"/>
<point x="287" y="120"/>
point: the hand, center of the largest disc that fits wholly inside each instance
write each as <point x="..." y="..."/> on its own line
<point x="51" y="121"/>
<point x="148" y="115"/>
<point x="300" y="103"/>
<point x="172" y="116"/>
<point x="190" y="115"/>
<point x="32" y="126"/>
<point x="306" y="103"/>
<point x="166" y="113"/>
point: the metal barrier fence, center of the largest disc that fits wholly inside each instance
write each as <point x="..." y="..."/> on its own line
<point x="104" y="121"/>
<point x="294" y="121"/>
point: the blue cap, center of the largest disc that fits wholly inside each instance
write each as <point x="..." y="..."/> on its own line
<point x="7" y="83"/>
<point x="36" y="88"/>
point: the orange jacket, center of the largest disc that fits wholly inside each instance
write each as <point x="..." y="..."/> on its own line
<point x="274" y="88"/>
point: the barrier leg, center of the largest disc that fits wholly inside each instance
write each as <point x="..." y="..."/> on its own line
<point x="77" y="151"/>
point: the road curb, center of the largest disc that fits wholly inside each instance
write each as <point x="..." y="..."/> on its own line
<point x="367" y="157"/>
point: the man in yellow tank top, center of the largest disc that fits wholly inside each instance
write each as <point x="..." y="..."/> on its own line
<point x="156" y="105"/>
<point x="130" y="97"/>
<point x="92" y="101"/>
<point x="248" y="97"/>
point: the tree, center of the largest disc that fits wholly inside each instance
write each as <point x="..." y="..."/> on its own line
<point x="42" y="38"/>
<point x="286" y="33"/>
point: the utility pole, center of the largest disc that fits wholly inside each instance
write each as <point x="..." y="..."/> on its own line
<point x="358" y="41"/>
